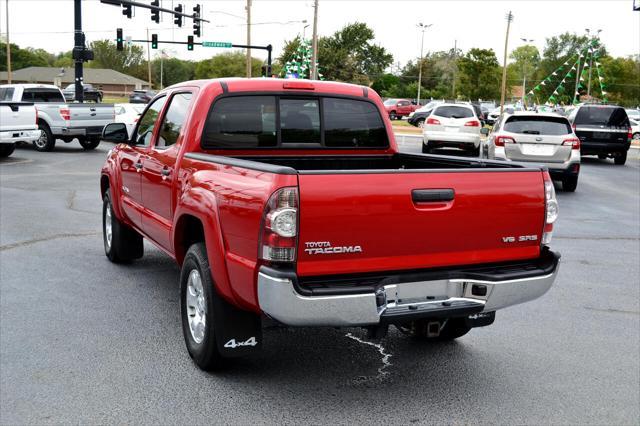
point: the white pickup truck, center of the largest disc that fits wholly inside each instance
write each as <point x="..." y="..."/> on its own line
<point x="18" y="123"/>
<point x="58" y="119"/>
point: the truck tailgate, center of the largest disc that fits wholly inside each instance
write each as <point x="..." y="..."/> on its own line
<point x="17" y="116"/>
<point x="93" y="117"/>
<point x="366" y="222"/>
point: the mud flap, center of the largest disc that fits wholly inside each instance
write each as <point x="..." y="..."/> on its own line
<point x="238" y="333"/>
<point x="481" y="319"/>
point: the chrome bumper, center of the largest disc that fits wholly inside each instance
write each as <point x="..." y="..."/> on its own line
<point x="443" y="298"/>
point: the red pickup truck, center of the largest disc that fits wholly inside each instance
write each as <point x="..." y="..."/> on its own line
<point x="288" y="201"/>
<point x="398" y="108"/>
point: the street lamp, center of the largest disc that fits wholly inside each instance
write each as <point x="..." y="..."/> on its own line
<point x="423" y="28"/>
<point x="304" y="29"/>
<point x="524" y="73"/>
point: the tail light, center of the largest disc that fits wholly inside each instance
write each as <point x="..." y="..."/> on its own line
<point x="630" y="133"/>
<point x="65" y="113"/>
<point x="501" y="140"/>
<point x="472" y="123"/>
<point x="551" y="208"/>
<point x="280" y="227"/>
<point x="431" y="120"/>
<point x="574" y="142"/>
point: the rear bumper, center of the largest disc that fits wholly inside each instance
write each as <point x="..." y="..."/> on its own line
<point x="595" y="148"/>
<point x="451" y="138"/>
<point x="395" y="300"/>
<point x="13" y="136"/>
<point x="571" y="167"/>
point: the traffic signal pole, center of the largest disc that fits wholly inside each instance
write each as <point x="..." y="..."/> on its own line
<point x="78" y="46"/>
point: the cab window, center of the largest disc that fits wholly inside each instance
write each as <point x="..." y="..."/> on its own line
<point x="147" y="122"/>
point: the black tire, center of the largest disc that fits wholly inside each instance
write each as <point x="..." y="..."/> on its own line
<point x="126" y="244"/>
<point x="636" y="136"/>
<point x="620" y="159"/>
<point x="7" y="149"/>
<point x="393" y="116"/>
<point x="204" y="353"/>
<point x="98" y="99"/>
<point x="569" y="184"/>
<point x="426" y="149"/>
<point x="89" y="143"/>
<point x="47" y="141"/>
<point x="420" y="123"/>
<point x="475" y="151"/>
<point x="452" y="329"/>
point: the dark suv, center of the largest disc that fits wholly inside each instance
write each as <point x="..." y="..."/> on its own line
<point x="604" y="130"/>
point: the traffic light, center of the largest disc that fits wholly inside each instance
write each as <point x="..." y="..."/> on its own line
<point x="190" y="43"/>
<point x="154" y="41"/>
<point x="119" y="45"/>
<point x="264" y="71"/>
<point x="177" y="19"/>
<point x="126" y="10"/>
<point x="155" y="13"/>
<point x="196" y="21"/>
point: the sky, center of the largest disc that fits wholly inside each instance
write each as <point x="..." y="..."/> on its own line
<point x="48" y="24"/>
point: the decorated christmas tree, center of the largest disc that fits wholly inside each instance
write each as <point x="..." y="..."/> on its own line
<point x="300" y="65"/>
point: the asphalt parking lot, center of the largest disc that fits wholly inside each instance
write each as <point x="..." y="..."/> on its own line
<point x="85" y="341"/>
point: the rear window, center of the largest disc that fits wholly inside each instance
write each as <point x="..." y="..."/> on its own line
<point x="554" y="126"/>
<point x="42" y="95"/>
<point x="241" y="122"/>
<point x="603" y="116"/>
<point x="453" y="112"/>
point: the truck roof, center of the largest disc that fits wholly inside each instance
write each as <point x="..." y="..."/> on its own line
<point x="32" y="86"/>
<point x="279" y="85"/>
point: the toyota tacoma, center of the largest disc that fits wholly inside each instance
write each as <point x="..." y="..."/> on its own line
<point x="288" y="201"/>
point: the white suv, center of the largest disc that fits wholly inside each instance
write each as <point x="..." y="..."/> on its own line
<point x="452" y="126"/>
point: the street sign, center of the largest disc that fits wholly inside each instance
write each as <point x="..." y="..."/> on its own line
<point x="216" y="44"/>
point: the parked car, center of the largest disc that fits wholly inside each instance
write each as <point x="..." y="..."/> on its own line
<point x="635" y="129"/>
<point x="493" y="115"/>
<point x="302" y="216"/>
<point x="418" y="117"/>
<point x="398" y="108"/>
<point x="60" y="120"/>
<point x="128" y="114"/>
<point x="541" y="138"/>
<point x="633" y="113"/>
<point x="91" y="94"/>
<point x="452" y="125"/>
<point x="604" y="130"/>
<point x="141" y="96"/>
<point x="18" y="123"/>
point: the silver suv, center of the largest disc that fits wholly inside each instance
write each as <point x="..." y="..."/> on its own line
<point x="542" y="138"/>
<point x="452" y="125"/>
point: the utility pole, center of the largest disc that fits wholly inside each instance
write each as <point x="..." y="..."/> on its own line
<point x="78" y="46"/>
<point x="423" y="27"/>
<point x="8" y="47"/>
<point x="248" y="8"/>
<point x="314" y="43"/>
<point x="149" y="58"/>
<point x="504" y="63"/>
<point x="455" y="68"/>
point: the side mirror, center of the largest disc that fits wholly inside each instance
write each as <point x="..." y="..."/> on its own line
<point x="484" y="131"/>
<point x="116" y="133"/>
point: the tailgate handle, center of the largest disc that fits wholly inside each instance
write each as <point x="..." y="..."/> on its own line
<point x="431" y="195"/>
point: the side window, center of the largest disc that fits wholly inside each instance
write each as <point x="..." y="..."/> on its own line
<point x="241" y="122"/>
<point x="351" y="123"/>
<point x="6" y="94"/>
<point x="147" y="122"/>
<point x="174" y="119"/>
<point x="300" y="121"/>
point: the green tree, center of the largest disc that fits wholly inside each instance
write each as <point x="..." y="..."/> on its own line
<point x="174" y="71"/>
<point x="23" y="58"/>
<point x="479" y="75"/>
<point x="230" y="64"/>
<point x="129" y="61"/>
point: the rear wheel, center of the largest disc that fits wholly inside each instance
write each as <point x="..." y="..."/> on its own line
<point x="89" y="143"/>
<point x="46" y="142"/>
<point x="636" y="136"/>
<point x="7" y="149"/>
<point x="392" y="116"/>
<point x="437" y="330"/>
<point x="569" y="184"/>
<point x="620" y="159"/>
<point x="197" y="295"/>
<point x="121" y="243"/>
<point x="420" y="123"/>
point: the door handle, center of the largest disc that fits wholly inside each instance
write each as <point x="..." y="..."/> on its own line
<point x="138" y="166"/>
<point x="432" y="195"/>
<point x="165" y="173"/>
